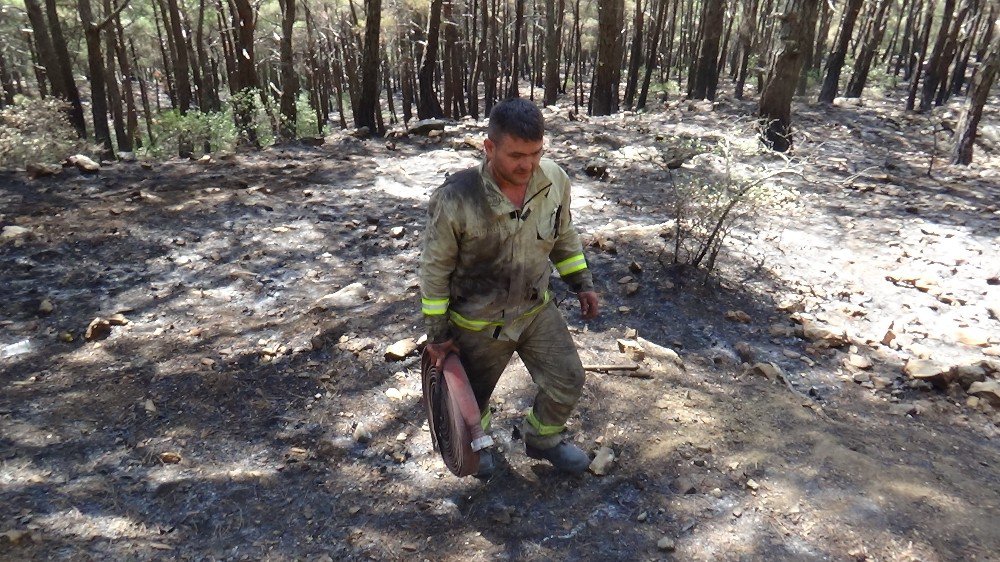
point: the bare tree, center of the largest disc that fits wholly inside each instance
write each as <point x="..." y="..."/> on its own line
<point x="610" y="44"/>
<point x="834" y="65"/>
<point x="706" y="66"/>
<point x="289" y="78"/>
<point x="368" y="104"/>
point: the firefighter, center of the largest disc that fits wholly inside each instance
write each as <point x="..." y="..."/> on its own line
<point x="494" y="232"/>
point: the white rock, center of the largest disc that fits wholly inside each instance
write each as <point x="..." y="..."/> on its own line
<point x="393" y="394"/>
<point x="602" y="462"/>
<point x="400" y="349"/>
<point x="12" y="232"/>
<point x="84" y="163"/>
<point x="660" y="352"/>
<point x="988" y="390"/>
<point x="350" y="296"/>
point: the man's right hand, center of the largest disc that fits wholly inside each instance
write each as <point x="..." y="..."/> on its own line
<point x="439" y="352"/>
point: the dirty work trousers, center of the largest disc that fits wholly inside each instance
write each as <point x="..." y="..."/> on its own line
<point x="548" y="352"/>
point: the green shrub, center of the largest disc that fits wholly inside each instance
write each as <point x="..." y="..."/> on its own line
<point x="170" y="126"/>
<point x="35" y="131"/>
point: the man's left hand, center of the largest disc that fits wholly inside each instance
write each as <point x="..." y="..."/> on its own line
<point x="588" y="304"/>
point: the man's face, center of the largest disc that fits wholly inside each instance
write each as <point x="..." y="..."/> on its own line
<point x="513" y="159"/>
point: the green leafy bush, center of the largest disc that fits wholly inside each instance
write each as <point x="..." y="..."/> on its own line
<point x="36" y="131"/>
<point x="216" y="129"/>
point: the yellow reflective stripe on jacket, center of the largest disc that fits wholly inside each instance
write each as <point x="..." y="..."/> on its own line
<point x="480" y="325"/>
<point x="434" y="307"/>
<point x="571" y="264"/>
<point x="543" y="430"/>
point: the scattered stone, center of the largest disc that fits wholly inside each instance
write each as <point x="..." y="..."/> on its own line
<point x="861" y="378"/>
<point x="350" y="296"/>
<point x="684" y="485"/>
<point x="362" y="434"/>
<point x="46" y="307"/>
<point x="170" y="457"/>
<point x="658" y="351"/>
<point x="632" y="349"/>
<point x="597" y="169"/>
<point x="98" y="329"/>
<point x="781" y="331"/>
<point x="631" y="333"/>
<point x="603" y="461"/>
<point x="987" y="390"/>
<point x="41" y="170"/>
<point x="745" y="352"/>
<point x="84" y="164"/>
<point x="13" y="231"/>
<point x="635" y="267"/>
<point x="642" y="517"/>
<point x="425" y="126"/>
<point x="738" y="316"/>
<point x="822" y="335"/>
<point x="66" y="336"/>
<point x="973" y="337"/>
<point x="400" y="350"/>
<point x="397" y="232"/>
<point x="881" y="382"/>
<point x="928" y="371"/>
<point x="626" y="279"/>
<point x="393" y="394"/>
<point x="858" y="361"/>
<point x="847" y="102"/>
<point x="666" y="544"/>
<point x="15" y="537"/>
<point x="716" y="493"/>
<point x="994" y="310"/>
<point x="753" y="485"/>
<point x="663" y="403"/>
<point x="117" y="319"/>
<point x="768" y="370"/>
<point x="966" y="375"/>
<point x="631" y="289"/>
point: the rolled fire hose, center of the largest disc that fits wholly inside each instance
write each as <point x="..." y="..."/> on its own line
<point x="453" y="415"/>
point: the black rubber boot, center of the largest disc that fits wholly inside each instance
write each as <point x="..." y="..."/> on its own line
<point x="486" y="465"/>
<point x="564" y="456"/>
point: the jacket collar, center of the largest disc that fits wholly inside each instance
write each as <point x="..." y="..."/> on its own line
<point x="539" y="182"/>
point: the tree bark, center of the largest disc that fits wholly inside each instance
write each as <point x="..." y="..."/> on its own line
<point x="933" y="76"/>
<point x="7" y="82"/>
<point x="553" y="34"/>
<point x="635" y="56"/>
<point x="921" y="52"/>
<point x="604" y="96"/>
<point x="513" y="89"/>
<point x="43" y="45"/>
<point x="950" y="50"/>
<point x="368" y="104"/>
<point x="706" y="75"/>
<point x="428" y="105"/>
<point x="289" y="78"/>
<point x="869" y="48"/>
<point x="66" y="69"/>
<point x="965" y="133"/>
<point x="114" y="93"/>
<point x="98" y="91"/>
<point x="244" y="17"/>
<point x="834" y="65"/>
<point x="654" y="44"/>
<point x="797" y="26"/>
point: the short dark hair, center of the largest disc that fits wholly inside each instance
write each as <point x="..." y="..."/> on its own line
<point x="516" y="117"/>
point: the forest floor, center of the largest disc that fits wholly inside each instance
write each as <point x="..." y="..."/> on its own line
<point x="231" y="412"/>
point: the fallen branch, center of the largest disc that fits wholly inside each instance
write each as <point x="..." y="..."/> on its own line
<point x="631" y="371"/>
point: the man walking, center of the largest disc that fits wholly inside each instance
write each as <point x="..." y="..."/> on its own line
<point x="493" y="234"/>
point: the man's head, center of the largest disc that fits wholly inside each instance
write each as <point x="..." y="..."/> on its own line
<point x="514" y="140"/>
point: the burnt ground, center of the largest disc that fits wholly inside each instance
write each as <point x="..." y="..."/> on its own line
<point x="231" y="418"/>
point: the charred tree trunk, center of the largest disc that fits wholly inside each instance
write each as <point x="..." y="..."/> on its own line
<point x="513" y="89"/>
<point x="965" y="133"/>
<point x="368" y="104"/>
<point x="7" y="82"/>
<point x="65" y="69"/>
<point x="114" y="93"/>
<point x="45" y="51"/>
<point x="863" y="62"/>
<point x="797" y="25"/>
<point x="635" y="56"/>
<point x="747" y="37"/>
<point x="491" y="70"/>
<point x="934" y="75"/>
<point x="289" y="78"/>
<point x="604" y="96"/>
<point x="654" y="45"/>
<point x="706" y="75"/>
<point x="834" y="65"/>
<point x="98" y="81"/>
<point x="553" y="35"/>
<point x="921" y="52"/>
<point x="950" y="50"/>
<point x="244" y="17"/>
<point x="428" y="105"/>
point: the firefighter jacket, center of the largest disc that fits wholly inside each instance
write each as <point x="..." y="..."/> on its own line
<point x="485" y="265"/>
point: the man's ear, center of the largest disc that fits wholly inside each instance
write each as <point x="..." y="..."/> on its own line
<point x="490" y="147"/>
